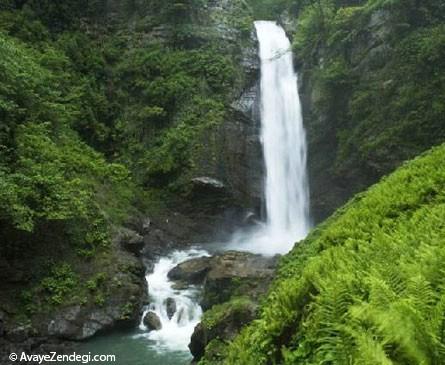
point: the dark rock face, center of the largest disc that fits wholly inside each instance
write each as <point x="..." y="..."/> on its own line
<point x="76" y="323"/>
<point x="331" y="186"/>
<point x="170" y="305"/>
<point x="122" y="295"/>
<point x="2" y="325"/>
<point x="198" y="342"/>
<point x="232" y="152"/>
<point x="131" y="240"/>
<point x="152" y="321"/>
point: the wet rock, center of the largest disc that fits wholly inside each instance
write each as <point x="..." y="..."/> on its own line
<point x="180" y="315"/>
<point x="226" y="275"/>
<point x="170" y="305"/>
<point x="198" y="342"/>
<point x="222" y="322"/>
<point x="208" y="183"/>
<point x="131" y="240"/>
<point x="146" y="223"/>
<point x="192" y="271"/>
<point x="236" y="273"/>
<point x="180" y="285"/>
<point x="152" y="321"/>
<point x="19" y="334"/>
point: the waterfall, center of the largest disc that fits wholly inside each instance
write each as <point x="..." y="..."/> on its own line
<point x="176" y="329"/>
<point x="286" y="200"/>
<point x="284" y="148"/>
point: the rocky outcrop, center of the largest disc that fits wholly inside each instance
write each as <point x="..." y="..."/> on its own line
<point x="232" y="283"/>
<point x="231" y="153"/>
<point x="152" y="321"/>
<point x="131" y="240"/>
<point x="170" y="306"/>
<point x="226" y="275"/>
<point x="192" y="271"/>
<point x="237" y="274"/>
<point x="221" y="323"/>
<point x="116" y="302"/>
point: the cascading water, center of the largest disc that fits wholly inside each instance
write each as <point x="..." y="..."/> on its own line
<point x="167" y="346"/>
<point x="284" y="148"/>
<point x="176" y="331"/>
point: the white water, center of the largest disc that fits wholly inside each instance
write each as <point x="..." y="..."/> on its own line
<point x="284" y="148"/>
<point x="175" y="332"/>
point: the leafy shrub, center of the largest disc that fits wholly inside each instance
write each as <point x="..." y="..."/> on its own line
<point x="61" y="282"/>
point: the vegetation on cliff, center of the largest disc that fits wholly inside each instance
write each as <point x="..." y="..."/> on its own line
<point x="103" y="106"/>
<point x="366" y="286"/>
<point x="372" y="84"/>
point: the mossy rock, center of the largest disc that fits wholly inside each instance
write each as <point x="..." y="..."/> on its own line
<point x="222" y="322"/>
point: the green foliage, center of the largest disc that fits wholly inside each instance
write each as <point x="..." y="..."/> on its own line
<point x="175" y="149"/>
<point x="95" y="282"/>
<point x="367" y="286"/>
<point x="127" y="311"/>
<point x="215" y="352"/>
<point x="61" y="283"/>
<point x="47" y="174"/>
<point x="356" y="55"/>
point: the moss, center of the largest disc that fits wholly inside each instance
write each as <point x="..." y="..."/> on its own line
<point x="218" y="313"/>
<point x="127" y="311"/>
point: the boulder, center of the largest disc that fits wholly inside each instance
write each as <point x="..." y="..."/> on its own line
<point x="123" y="297"/>
<point x="146" y="223"/>
<point x="170" y="305"/>
<point x="19" y="334"/>
<point x="192" y="271"/>
<point x="225" y="275"/>
<point x="152" y="321"/>
<point x="236" y="273"/>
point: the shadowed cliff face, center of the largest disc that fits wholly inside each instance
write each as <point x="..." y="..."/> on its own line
<point x="232" y="151"/>
<point x="332" y="186"/>
<point x="370" y="96"/>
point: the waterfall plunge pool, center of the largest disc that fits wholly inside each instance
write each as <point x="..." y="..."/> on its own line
<point x="169" y="345"/>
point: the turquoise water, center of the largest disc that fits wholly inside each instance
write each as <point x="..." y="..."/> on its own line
<point x="131" y="348"/>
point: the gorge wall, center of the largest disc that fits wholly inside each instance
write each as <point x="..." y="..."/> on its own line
<point x="370" y="92"/>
